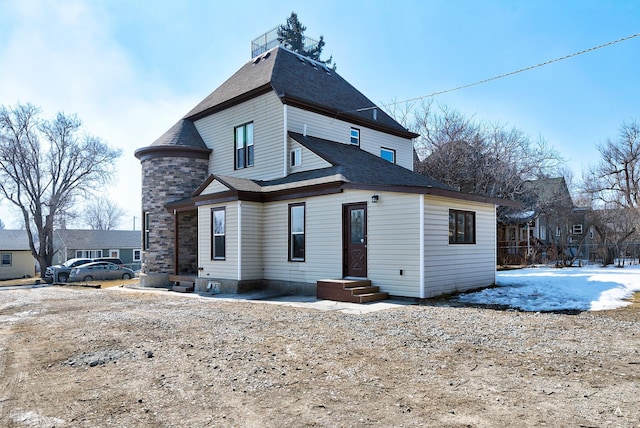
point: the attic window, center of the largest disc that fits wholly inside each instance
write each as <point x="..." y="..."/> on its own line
<point x="355" y="137"/>
<point x="296" y="157"/>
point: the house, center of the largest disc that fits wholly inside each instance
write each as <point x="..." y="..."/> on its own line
<point x="80" y="243"/>
<point x="16" y="260"/>
<point x="550" y="229"/>
<point x="286" y="175"/>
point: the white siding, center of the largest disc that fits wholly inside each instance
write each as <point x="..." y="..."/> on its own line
<point x="218" y="269"/>
<point x="458" y="267"/>
<point x="252" y="240"/>
<point x="214" y="187"/>
<point x="338" y="130"/>
<point x="310" y="160"/>
<point x="393" y="241"/>
<point x="217" y="131"/>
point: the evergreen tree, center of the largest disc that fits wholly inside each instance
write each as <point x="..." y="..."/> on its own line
<point x="291" y="36"/>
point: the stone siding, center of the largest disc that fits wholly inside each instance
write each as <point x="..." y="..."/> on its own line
<point x="164" y="180"/>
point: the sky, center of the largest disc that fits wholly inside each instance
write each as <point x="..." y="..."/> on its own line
<point x="546" y="289"/>
<point x="130" y="69"/>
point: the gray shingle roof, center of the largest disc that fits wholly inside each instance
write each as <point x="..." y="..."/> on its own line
<point x="296" y="80"/>
<point x="182" y="134"/>
<point x="349" y="164"/>
<point x="14" y="240"/>
<point x="361" y="167"/>
<point x="75" y="239"/>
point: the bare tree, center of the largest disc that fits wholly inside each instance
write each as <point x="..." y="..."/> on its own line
<point x="103" y="214"/>
<point x="478" y="157"/>
<point x="44" y="165"/>
<point x="614" y="227"/>
<point x="615" y="180"/>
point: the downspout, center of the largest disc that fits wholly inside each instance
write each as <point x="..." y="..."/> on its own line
<point x="239" y="240"/>
<point x="421" y="210"/>
<point x="285" y="140"/>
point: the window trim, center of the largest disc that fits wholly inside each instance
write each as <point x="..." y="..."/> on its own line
<point x="464" y="215"/>
<point x="88" y="254"/>
<point x="576" y="229"/>
<point x="296" y="157"/>
<point x="246" y="153"/>
<point x="2" y="256"/>
<point x="355" y="137"/>
<point x="291" y="242"/>
<point x="147" y="231"/>
<point x="391" y="151"/>
<point x="223" y="234"/>
<point x="137" y="255"/>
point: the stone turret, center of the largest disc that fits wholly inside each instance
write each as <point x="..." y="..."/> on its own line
<point x="172" y="169"/>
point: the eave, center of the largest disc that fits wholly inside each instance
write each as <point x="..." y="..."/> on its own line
<point x="260" y="90"/>
<point x="352" y="118"/>
<point x="153" y="152"/>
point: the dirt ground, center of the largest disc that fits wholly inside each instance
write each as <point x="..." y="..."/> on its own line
<point x="80" y="357"/>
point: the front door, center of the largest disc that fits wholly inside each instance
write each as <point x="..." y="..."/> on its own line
<point x="354" y="231"/>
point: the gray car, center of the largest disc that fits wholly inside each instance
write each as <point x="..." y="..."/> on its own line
<point x="100" y="270"/>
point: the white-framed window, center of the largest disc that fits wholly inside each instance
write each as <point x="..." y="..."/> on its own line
<point x="137" y="255"/>
<point x="558" y="231"/>
<point x="388" y="154"/>
<point x="6" y="260"/>
<point x="244" y="145"/>
<point x="296" y="157"/>
<point x="591" y="234"/>
<point x="218" y="237"/>
<point x="88" y="254"/>
<point x="355" y="137"/>
<point x="577" y="229"/>
<point x="296" y="232"/>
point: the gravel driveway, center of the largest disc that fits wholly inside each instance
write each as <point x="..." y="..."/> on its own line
<point x="72" y="357"/>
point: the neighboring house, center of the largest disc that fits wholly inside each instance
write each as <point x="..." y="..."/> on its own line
<point x="76" y="243"/>
<point x="286" y="175"/>
<point x="551" y="228"/>
<point x="16" y="260"/>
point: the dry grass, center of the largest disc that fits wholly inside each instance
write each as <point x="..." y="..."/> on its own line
<point x="103" y="284"/>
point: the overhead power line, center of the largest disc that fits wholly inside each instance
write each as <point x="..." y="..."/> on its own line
<point x="433" y="94"/>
